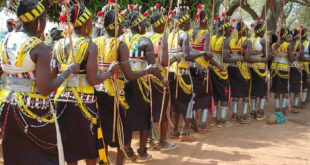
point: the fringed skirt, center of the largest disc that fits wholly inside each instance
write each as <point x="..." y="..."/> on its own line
<point x="22" y="145"/>
<point x="106" y="115"/>
<point x="258" y="84"/>
<point x="202" y="92"/>
<point x="139" y="112"/>
<point x="180" y="99"/>
<point x="79" y="136"/>
<point x="240" y="87"/>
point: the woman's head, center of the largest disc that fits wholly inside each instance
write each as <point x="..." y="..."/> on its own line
<point x="80" y="17"/>
<point x="109" y="23"/>
<point x="260" y="29"/>
<point x="32" y="14"/>
<point x="225" y="27"/>
<point x="134" y="19"/>
<point x="158" y="22"/>
<point x="284" y="34"/>
<point x="242" y="29"/>
<point x="200" y="16"/>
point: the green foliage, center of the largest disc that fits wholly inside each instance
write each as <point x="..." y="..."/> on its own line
<point x="53" y="10"/>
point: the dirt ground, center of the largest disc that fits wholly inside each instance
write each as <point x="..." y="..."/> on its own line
<point x="253" y="143"/>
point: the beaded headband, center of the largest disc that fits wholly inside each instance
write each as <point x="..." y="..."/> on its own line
<point x="105" y="9"/>
<point x="36" y="12"/>
<point x="82" y="18"/>
<point x="159" y="22"/>
<point x="157" y="10"/>
<point x="225" y="25"/>
<point x="127" y="13"/>
<point x="260" y="30"/>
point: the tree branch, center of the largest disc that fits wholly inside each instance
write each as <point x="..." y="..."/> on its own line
<point x="232" y="8"/>
<point x="245" y="6"/>
<point x="302" y="2"/>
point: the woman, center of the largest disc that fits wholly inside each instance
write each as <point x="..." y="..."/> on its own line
<point x="159" y="113"/>
<point x="280" y="70"/>
<point x="75" y="99"/>
<point x="258" y="68"/>
<point x="141" y="56"/>
<point x="306" y="71"/>
<point x="219" y="79"/>
<point x="105" y="92"/>
<point x="26" y="113"/>
<point x="200" y="40"/>
<point x="181" y="88"/>
<point x="239" y="74"/>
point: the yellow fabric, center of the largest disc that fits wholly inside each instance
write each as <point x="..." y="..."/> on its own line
<point x="306" y="64"/>
<point x="202" y="62"/>
<point x="283" y="48"/>
<point x="277" y="67"/>
<point x="27" y="112"/>
<point x="4" y="93"/>
<point x="108" y="55"/>
<point x="26" y="48"/>
<point x="99" y="41"/>
<point x="155" y="37"/>
<point x="80" y="46"/>
<point x="236" y="46"/>
<point x="213" y="42"/>
<point x="217" y="44"/>
<point x="199" y="36"/>
<point x="258" y="65"/>
<point x="132" y="40"/>
<point x="172" y="44"/>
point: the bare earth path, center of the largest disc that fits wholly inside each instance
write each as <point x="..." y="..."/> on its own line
<point x="253" y="143"/>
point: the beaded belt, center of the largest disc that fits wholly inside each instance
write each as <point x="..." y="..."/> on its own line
<point x="77" y="80"/>
<point x="259" y="66"/>
<point x="30" y="102"/>
<point x="281" y="60"/>
<point x="68" y="96"/>
<point x="19" y="84"/>
<point x="297" y="64"/>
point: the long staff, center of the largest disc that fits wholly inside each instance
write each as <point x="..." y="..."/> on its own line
<point x="167" y="71"/>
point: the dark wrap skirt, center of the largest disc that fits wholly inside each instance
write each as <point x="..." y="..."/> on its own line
<point x="35" y="146"/>
<point x="240" y="87"/>
<point x="202" y="96"/>
<point x="258" y="85"/>
<point x="295" y="80"/>
<point x="279" y="85"/>
<point x="139" y="112"/>
<point x="106" y="115"/>
<point x="182" y="100"/>
<point x="219" y="87"/>
<point x="79" y="136"/>
<point x="305" y="80"/>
